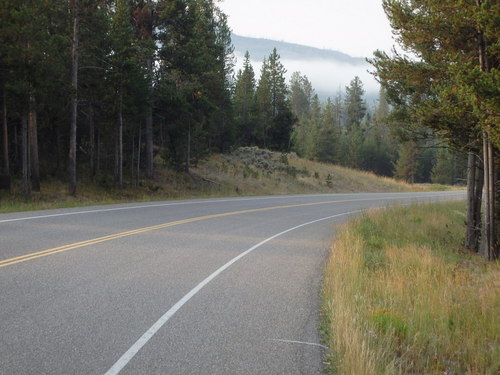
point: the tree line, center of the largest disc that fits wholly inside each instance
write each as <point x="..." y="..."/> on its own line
<point x="102" y="88"/>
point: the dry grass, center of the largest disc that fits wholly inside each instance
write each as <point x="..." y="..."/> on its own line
<point x="252" y="171"/>
<point x="247" y="171"/>
<point x="401" y="298"/>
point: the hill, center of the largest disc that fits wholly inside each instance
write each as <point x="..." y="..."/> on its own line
<point x="260" y="48"/>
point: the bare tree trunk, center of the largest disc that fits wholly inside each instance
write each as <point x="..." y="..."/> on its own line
<point x="119" y="145"/>
<point x="489" y="240"/>
<point x="25" y="157"/>
<point x="139" y="156"/>
<point x="74" y="100"/>
<point x="98" y="152"/>
<point x="474" y="191"/>
<point x="149" y="128"/>
<point x="33" y="144"/>
<point x="6" y="166"/>
<point x="188" y="148"/>
<point x="92" y="143"/>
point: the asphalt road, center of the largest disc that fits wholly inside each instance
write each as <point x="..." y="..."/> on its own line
<point x="223" y="286"/>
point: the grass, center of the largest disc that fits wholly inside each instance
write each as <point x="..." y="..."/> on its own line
<point x="246" y="171"/>
<point x="401" y="297"/>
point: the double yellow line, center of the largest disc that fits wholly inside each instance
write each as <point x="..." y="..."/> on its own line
<point x="77" y="245"/>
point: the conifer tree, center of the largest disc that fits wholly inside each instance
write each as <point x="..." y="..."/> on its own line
<point x="453" y="86"/>
<point x="271" y="96"/>
<point x="244" y="108"/>
<point x="355" y="108"/>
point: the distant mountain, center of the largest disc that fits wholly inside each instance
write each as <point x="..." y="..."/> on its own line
<point x="260" y="48"/>
<point x="329" y="71"/>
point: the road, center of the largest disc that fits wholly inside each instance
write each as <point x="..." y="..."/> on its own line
<point x="222" y="286"/>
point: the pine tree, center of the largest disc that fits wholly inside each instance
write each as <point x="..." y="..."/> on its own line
<point x="328" y="136"/>
<point x="301" y="95"/>
<point x="452" y="86"/>
<point x="406" y="167"/>
<point x="443" y="171"/>
<point x="354" y="104"/>
<point x="271" y="96"/>
<point x="244" y="102"/>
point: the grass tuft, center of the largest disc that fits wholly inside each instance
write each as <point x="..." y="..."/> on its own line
<point x="401" y="297"/>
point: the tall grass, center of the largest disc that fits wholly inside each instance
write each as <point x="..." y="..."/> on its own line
<point x="401" y="297"/>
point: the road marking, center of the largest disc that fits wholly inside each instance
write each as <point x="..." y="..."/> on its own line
<point x="139" y="344"/>
<point x="77" y="245"/>
<point x="169" y="204"/>
<point x="300" y="342"/>
<point x="152" y="206"/>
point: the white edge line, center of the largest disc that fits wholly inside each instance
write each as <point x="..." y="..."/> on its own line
<point x="181" y="203"/>
<point x="134" y="349"/>
<point x="301" y="343"/>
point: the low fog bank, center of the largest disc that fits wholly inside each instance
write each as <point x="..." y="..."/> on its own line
<point x="327" y="77"/>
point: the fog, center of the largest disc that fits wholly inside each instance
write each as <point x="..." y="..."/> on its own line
<point x="327" y="77"/>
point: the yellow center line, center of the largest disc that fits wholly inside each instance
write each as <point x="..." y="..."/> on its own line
<point x="77" y="245"/>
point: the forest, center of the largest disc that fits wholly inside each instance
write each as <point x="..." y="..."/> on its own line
<point x="110" y="90"/>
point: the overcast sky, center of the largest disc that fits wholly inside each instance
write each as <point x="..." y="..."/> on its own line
<point x="355" y="27"/>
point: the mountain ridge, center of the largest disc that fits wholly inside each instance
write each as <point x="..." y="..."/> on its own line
<point x="260" y="48"/>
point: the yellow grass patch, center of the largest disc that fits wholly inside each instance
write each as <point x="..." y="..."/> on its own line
<point x="413" y="303"/>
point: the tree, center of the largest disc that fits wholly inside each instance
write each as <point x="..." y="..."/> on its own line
<point x="354" y="104"/>
<point x="276" y="118"/>
<point x="74" y="97"/>
<point x="244" y="108"/>
<point x="301" y="95"/>
<point x="406" y="167"/>
<point x="453" y="85"/>
<point x="443" y="171"/>
<point x="144" y="22"/>
<point x="328" y="135"/>
<point x="195" y="60"/>
<point x="129" y="76"/>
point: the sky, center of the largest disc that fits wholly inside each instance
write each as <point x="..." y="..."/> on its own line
<point x="355" y="27"/>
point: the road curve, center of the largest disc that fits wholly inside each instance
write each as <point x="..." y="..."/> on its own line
<point x="222" y="286"/>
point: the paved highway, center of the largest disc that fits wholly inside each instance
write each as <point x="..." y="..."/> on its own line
<point x="223" y="286"/>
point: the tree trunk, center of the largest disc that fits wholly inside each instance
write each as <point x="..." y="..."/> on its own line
<point x="489" y="239"/>
<point x="188" y="149"/>
<point x="74" y="100"/>
<point x="92" y="143"/>
<point x="489" y="245"/>
<point x="119" y="145"/>
<point x="139" y="156"/>
<point x="474" y="191"/>
<point x="25" y="157"/>
<point x="496" y="164"/>
<point x="33" y="144"/>
<point x="6" y="166"/>
<point x="149" y="127"/>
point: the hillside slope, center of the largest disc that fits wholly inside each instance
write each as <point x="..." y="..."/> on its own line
<point x="251" y="171"/>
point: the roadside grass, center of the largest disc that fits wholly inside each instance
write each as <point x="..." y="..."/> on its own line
<point x="246" y="171"/>
<point x="401" y="296"/>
